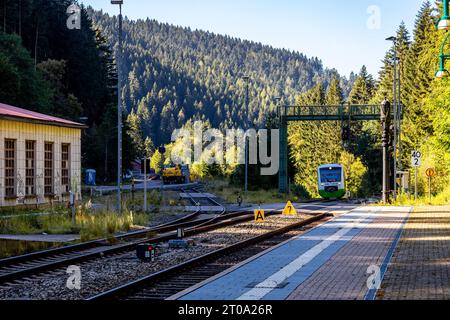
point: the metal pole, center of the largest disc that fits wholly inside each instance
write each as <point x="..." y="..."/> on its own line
<point x="385" y="119"/>
<point x="429" y="189"/>
<point x="119" y="116"/>
<point x="246" y="163"/>
<point x="399" y="116"/>
<point x="247" y="96"/>
<point x="415" y="185"/>
<point x="395" y="121"/>
<point x="145" y="184"/>
<point x="246" y="78"/>
<point x="72" y="207"/>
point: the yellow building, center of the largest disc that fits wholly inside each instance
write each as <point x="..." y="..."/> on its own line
<point x="40" y="157"/>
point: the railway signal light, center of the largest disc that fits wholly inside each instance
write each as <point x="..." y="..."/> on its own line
<point x="146" y="252"/>
<point x="345" y="133"/>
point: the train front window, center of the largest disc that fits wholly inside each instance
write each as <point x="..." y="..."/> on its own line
<point x="328" y="175"/>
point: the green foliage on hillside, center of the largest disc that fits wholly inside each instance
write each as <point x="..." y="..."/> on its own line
<point x="176" y="74"/>
<point x="425" y="100"/>
<point x="48" y="68"/>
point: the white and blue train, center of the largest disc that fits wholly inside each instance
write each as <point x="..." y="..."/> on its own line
<point x="331" y="179"/>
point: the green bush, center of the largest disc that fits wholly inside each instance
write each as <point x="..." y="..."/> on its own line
<point x="300" y="191"/>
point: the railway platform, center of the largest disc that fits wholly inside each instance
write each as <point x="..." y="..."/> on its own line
<point x="334" y="261"/>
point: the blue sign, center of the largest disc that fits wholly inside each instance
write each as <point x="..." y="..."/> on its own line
<point x="90" y="177"/>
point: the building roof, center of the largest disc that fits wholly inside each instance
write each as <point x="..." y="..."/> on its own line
<point x="17" y="114"/>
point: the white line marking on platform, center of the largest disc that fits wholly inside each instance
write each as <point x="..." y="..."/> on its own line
<point x="271" y="283"/>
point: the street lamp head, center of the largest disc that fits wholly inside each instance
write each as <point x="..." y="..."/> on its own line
<point x="120" y="2"/>
<point x="444" y="23"/>
<point x="442" y="74"/>
<point x="394" y="39"/>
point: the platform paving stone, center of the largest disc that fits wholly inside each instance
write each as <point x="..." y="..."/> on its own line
<point x="345" y="275"/>
<point x="327" y="262"/>
<point x="420" y="267"/>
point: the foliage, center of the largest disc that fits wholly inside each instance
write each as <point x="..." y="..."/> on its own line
<point x="92" y="225"/>
<point x="176" y="74"/>
<point x="21" y="84"/>
<point x="157" y="162"/>
<point x="48" y="68"/>
<point x="425" y="100"/>
<point x="355" y="175"/>
<point x="57" y="222"/>
<point x="313" y="144"/>
<point x="229" y="193"/>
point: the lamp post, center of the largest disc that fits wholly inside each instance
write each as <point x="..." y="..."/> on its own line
<point x="246" y="79"/>
<point x="442" y="72"/>
<point x="444" y="24"/>
<point x="444" y="21"/>
<point x="385" y="120"/>
<point x="119" y="109"/>
<point x="394" y="40"/>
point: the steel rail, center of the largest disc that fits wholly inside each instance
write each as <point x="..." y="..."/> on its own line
<point x="132" y="287"/>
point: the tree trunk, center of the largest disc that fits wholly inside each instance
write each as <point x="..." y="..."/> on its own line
<point x="20" y="18"/>
<point x="36" y="44"/>
<point x="106" y="161"/>
<point x="5" y="4"/>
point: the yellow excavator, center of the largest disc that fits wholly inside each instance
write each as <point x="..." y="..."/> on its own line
<point x="175" y="174"/>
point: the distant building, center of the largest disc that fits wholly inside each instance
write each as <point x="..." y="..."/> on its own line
<point x="40" y="157"/>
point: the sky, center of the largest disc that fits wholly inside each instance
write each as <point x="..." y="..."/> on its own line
<point x="344" y="34"/>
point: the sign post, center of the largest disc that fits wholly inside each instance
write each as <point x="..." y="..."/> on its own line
<point x="430" y="173"/>
<point x="416" y="160"/>
<point x="145" y="184"/>
<point x="72" y="207"/>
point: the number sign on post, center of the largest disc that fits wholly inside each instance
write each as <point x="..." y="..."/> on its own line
<point x="416" y="159"/>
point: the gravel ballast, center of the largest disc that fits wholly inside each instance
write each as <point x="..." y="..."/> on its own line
<point x="104" y="274"/>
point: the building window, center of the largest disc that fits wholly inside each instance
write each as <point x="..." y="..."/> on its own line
<point x="48" y="168"/>
<point x="30" y="168"/>
<point x="65" y="167"/>
<point x="10" y="168"/>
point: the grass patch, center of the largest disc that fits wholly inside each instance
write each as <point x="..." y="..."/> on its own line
<point x="90" y="225"/>
<point x="135" y="202"/>
<point x="408" y="200"/>
<point x="229" y="193"/>
<point x="105" y="224"/>
<point x="10" y="248"/>
<point x="27" y="222"/>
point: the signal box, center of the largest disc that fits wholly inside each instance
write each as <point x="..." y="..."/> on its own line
<point x="146" y="252"/>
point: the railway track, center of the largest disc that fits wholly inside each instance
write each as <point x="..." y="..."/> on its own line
<point x="164" y="284"/>
<point x="17" y="267"/>
<point x="43" y="262"/>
